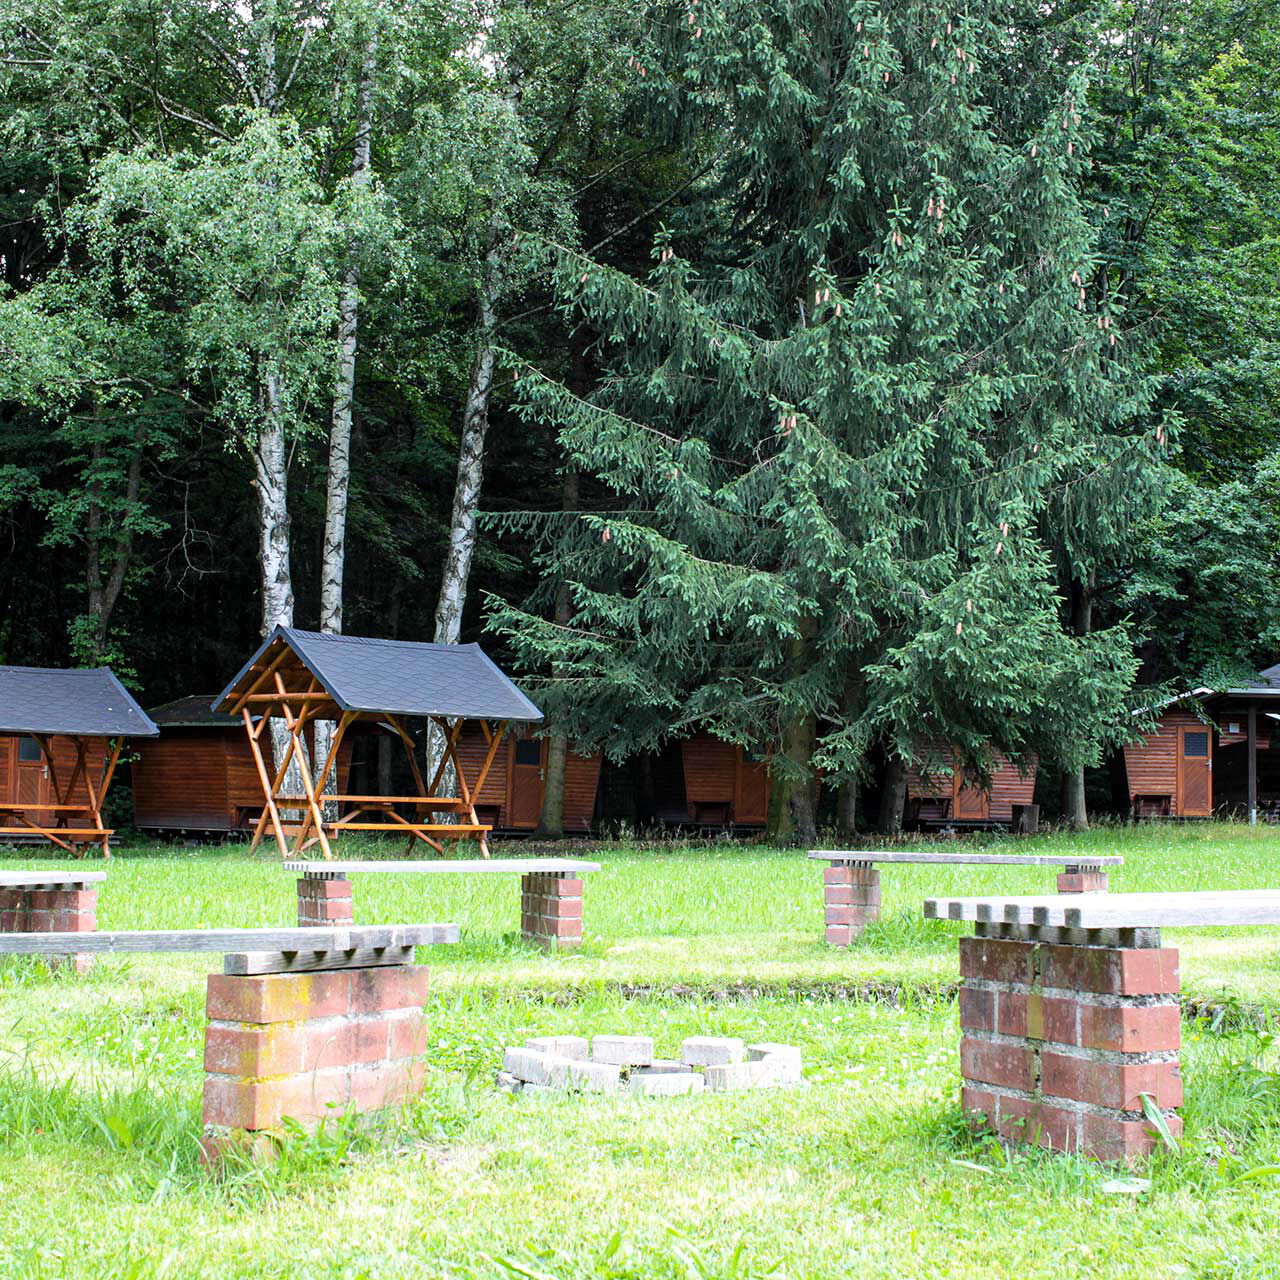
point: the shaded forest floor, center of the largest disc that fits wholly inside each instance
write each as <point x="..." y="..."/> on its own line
<point x="868" y="1171"/>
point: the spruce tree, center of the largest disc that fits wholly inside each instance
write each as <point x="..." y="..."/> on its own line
<point x="831" y="420"/>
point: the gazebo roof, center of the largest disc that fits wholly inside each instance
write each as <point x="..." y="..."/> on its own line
<point x="399" y="677"/>
<point x="86" y="703"/>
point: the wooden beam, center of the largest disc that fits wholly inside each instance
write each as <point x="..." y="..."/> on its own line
<point x="251" y="962"/>
<point x="270" y="809"/>
<point x="1252" y="802"/>
<point x="263" y="676"/>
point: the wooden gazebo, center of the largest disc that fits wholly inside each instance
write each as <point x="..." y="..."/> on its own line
<point x="306" y="676"/>
<point x="61" y="732"/>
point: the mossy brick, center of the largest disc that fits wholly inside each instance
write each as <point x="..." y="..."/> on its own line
<point x="1117" y="1085"/>
<point x="997" y="960"/>
<point x="1114" y="1139"/>
<point x="237" y="1103"/>
<point x="1040" y="1123"/>
<point x="1115" y="971"/>
<point x="277" y="997"/>
<point x="1008" y="1065"/>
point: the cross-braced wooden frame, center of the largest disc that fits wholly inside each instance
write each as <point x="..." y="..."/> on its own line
<point x="292" y="693"/>
<point x="62" y="830"/>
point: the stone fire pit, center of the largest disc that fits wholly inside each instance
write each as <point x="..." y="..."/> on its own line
<point x="611" y="1064"/>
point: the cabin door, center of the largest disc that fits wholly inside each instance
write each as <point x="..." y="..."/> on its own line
<point x="969" y="803"/>
<point x="751" y="801"/>
<point x="1195" y="773"/>
<point x="29" y="772"/>
<point x="528" y="776"/>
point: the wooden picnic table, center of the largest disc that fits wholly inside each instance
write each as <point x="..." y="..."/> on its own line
<point x="851" y="894"/>
<point x="550" y="890"/>
<point x="1069" y="1012"/>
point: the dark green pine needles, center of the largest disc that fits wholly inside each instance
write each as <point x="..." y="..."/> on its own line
<point x="831" y="464"/>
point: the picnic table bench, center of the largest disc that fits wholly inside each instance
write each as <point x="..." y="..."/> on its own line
<point x="1069" y="1015"/>
<point x="550" y="890"/>
<point x="300" y="1021"/>
<point x="851" y="893"/>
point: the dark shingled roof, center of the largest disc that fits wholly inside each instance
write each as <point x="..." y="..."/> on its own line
<point x="402" y="677"/>
<point x="193" y="713"/>
<point x="84" y="703"/>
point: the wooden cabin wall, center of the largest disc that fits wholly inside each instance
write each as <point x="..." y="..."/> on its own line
<point x="1008" y="786"/>
<point x="64" y="763"/>
<point x="721" y="784"/>
<point x="203" y="779"/>
<point x="1151" y="766"/>
<point x="511" y="811"/>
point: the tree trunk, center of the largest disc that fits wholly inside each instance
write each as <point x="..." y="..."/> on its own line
<point x="337" y="483"/>
<point x="1075" y="812"/>
<point x="470" y="477"/>
<point x="333" y="559"/>
<point x="847" y="807"/>
<point x="893" y="798"/>
<point x="551" y="820"/>
<point x="792" y="801"/>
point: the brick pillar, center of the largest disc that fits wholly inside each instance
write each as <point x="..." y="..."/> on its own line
<point x="324" y="902"/>
<point x="1059" y="1040"/>
<point x="60" y="909"/>
<point x="851" y="897"/>
<point x="551" y="909"/>
<point x="1082" y="880"/>
<point x="307" y="1046"/>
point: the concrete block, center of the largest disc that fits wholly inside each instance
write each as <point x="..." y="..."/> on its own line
<point x="594" y="1077"/>
<point x="625" y="1051"/>
<point x="509" y="1083"/>
<point x="576" y="1047"/>
<point x="708" y="1051"/>
<point x="767" y="1049"/>
<point x="665" y="1065"/>
<point x="664" y="1084"/>
<point x="766" y="1073"/>
<point x="535" y="1067"/>
<point x="724" y="1077"/>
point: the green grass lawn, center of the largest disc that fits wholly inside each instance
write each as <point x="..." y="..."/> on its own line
<point x="868" y="1171"/>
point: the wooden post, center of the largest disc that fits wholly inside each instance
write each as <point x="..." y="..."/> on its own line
<point x="1252" y="802"/>
<point x="268" y="792"/>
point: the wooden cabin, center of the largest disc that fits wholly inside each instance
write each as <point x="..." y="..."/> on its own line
<point x="511" y="798"/>
<point x="724" y="784"/>
<point x="61" y="735"/>
<point x="938" y="792"/>
<point x="199" y="775"/>
<point x="1212" y="750"/>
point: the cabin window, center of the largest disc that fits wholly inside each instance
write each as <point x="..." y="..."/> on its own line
<point x="29" y="751"/>
<point x="529" y="751"/>
<point x="1195" y="744"/>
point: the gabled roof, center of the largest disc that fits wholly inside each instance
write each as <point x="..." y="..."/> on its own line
<point x="402" y="677"/>
<point x="193" y="712"/>
<point x="79" y="703"/>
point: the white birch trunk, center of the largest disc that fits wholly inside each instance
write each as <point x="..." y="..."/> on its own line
<point x="470" y="478"/>
<point x="338" y="479"/>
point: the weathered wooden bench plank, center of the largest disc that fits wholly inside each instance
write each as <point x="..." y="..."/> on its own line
<point x="243" y="963"/>
<point x="444" y="866"/>
<point x="41" y="879"/>
<point x="126" y="942"/>
<point x="1116" y="910"/>
<point x="872" y="856"/>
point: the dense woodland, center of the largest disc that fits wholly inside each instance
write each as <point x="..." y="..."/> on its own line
<point x="827" y="376"/>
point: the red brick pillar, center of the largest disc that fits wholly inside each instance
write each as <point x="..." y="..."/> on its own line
<point x="324" y="902"/>
<point x="308" y="1046"/>
<point x="851" y="898"/>
<point x="1060" y="1039"/>
<point x="70" y="908"/>
<point x="1082" y="880"/>
<point x="551" y="909"/>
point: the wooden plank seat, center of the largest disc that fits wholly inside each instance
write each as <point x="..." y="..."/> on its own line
<point x="851" y="884"/>
<point x="550" y="890"/>
<point x="1069" y="1016"/>
<point x="301" y="1024"/>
